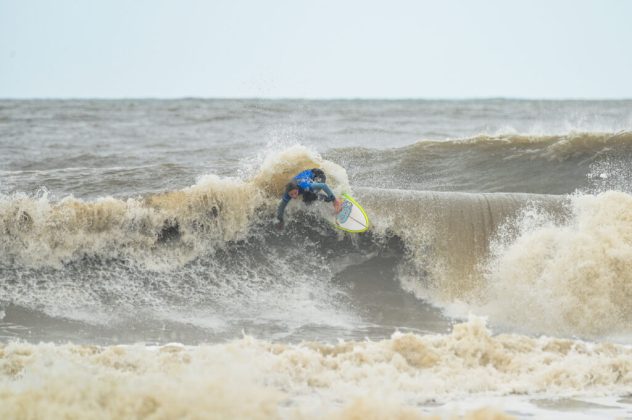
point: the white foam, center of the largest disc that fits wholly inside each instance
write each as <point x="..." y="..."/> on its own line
<point x="408" y="373"/>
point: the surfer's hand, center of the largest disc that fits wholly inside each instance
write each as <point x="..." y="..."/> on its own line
<point x="337" y="205"/>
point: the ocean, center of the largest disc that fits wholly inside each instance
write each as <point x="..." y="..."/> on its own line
<point x="142" y="277"/>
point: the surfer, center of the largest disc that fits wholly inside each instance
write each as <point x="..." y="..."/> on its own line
<point x="308" y="185"/>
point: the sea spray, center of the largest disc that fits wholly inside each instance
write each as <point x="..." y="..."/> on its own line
<point x="38" y="231"/>
<point x="570" y="277"/>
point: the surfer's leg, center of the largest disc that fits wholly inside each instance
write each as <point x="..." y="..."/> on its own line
<point x="309" y="197"/>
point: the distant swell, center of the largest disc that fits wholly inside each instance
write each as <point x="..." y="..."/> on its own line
<point x="547" y="164"/>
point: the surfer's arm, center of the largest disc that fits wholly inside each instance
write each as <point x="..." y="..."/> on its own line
<point x="318" y="186"/>
<point x="282" y="205"/>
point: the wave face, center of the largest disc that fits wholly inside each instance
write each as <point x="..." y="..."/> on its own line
<point x="538" y="264"/>
<point x="129" y="225"/>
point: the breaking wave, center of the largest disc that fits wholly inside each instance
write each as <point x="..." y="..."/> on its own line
<point x="541" y="263"/>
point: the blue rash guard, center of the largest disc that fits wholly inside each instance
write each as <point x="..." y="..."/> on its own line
<point x="306" y="184"/>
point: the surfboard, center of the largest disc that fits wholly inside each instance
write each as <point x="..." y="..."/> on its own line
<point x="351" y="217"/>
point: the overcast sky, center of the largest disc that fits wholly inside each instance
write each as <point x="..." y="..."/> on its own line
<point x="316" y="49"/>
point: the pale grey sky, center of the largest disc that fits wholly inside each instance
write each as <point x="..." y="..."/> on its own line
<point x="316" y="49"/>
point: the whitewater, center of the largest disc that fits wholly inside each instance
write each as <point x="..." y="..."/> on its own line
<point x="141" y="275"/>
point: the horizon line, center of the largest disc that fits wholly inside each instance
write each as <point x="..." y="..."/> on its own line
<point x="314" y="99"/>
